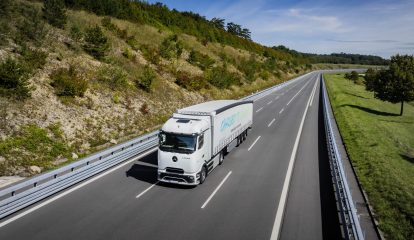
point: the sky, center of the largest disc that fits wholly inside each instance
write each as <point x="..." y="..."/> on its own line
<point x="381" y="27"/>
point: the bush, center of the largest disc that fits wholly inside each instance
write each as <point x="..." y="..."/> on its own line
<point x="32" y="28"/>
<point x="76" y="33"/>
<point x="146" y="79"/>
<point x="192" y="83"/>
<point x="32" y="59"/>
<point x="201" y="60"/>
<point x="150" y="53"/>
<point x="55" y="13"/>
<point x="221" y="78"/>
<point x="171" y="47"/>
<point x="96" y="43"/>
<point x="127" y="53"/>
<point x="265" y="75"/>
<point x="249" y="68"/>
<point x="67" y="82"/>
<point x="114" y="77"/>
<point x="14" y="79"/>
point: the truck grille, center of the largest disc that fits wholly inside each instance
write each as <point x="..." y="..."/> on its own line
<point x="174" y="170"/>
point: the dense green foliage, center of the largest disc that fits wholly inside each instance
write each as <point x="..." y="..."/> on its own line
<point x="14" y="79"/>
<point x="96" y="43"/>
<point x="203" y="61"/>
<point x="336" y="58"/>
<point x="55" y="13"/>
<point x="114" y="77"/>
<point x="192" y="83"/>
<point x="32" y="28"/>
<point x="171" y="47"/>
<point x="396" y="84"/>
<point x="381" y="148"/>
<point x="180" y="22"/>
<point x="68" y="82"/>
<point x="221" y="78"/>
<point x="32" y="59"/>
<point x="146" y="79"/>
<point x="353" y="76"/>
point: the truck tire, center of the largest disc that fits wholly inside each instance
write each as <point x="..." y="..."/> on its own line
<point x="203" y="175"/>
<point x="221" y="158"/>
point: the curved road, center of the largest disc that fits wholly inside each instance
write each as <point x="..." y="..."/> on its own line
<point x="275" y="185"/>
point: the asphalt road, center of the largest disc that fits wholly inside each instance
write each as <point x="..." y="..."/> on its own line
<point x="276" y="184"/>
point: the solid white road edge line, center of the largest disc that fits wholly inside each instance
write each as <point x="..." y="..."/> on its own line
<point x="270" y="124"/>
<point x="146" y="190"/>
<point x="12" y="219"/>
<point x="283" y="197"/>
<point x="313" y="92"/>
<point x="258" y="110"/>
<point x="257" y="139"/>
<point x="283" y="109"/>
<point x="215" y="190"/>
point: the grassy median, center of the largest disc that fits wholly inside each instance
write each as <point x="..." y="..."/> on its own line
<point x="381" y="147"/>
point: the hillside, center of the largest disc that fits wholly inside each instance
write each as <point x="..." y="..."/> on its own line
<point x="68" y="89"/>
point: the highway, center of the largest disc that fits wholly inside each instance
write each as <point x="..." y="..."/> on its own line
<point x="275" y="185"/>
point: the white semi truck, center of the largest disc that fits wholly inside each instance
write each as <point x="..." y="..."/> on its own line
<point x="195" y="139"/>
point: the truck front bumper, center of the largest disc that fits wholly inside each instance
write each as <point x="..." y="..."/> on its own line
<point x="177" y="178"/>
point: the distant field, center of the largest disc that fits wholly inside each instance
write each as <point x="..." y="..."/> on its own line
<point x="344" y="66"/>
<point x="381" y="147"/>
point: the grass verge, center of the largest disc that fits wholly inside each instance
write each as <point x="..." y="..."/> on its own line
<point x="381" y="147"/>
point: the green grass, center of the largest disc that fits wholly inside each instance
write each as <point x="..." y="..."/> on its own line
<point x="33" y="145"/>
<point x="381" y="148"/>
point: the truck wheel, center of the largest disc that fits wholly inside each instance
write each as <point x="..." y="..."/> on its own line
<point x="221" y="158"/>
<point x="203" y="175"/>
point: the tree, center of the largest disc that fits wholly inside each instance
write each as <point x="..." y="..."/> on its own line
<point x="14" y="79"/>
<point x="218" y="23"/>
<point x="55" y="13"/>
<point x="96" y="43"/>
<point x="369" y="79"/>
<point x="396" y="84"/>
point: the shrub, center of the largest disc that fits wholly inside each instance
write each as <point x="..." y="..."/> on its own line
<point x="221" y="78"/>
<point x="114" y="77"/>
<point x="32" y="28"/>
<point x="129" y="54"/>
<point x="76" y="33"/>
<point x="68" y="82"/>
<point x="150" y="53"/>
<point x="171" y="47"/>
<point x="146" y="79"/>
<point x="96" y="43"/>
<point x="192" y="83"/>
<point x="144" y="108"/>
<point x="55" y="13"/>
<point x="265" y="75"/>
<point x="14" y="79"/>
<point x="32" y="59"/>
<point x="249" y="68"/>
<point x="201" y="60"/>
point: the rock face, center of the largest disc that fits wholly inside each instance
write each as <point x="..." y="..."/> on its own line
<point x="35" y="169"/>
<point x="113" y="141"/>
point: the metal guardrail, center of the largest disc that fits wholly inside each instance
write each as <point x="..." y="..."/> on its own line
<point x="348" y="212"/>
<point x="28" y="192"/>
<point x="23" y="194"/>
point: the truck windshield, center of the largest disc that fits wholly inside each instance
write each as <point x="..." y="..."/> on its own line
<point x="177" y="142"/>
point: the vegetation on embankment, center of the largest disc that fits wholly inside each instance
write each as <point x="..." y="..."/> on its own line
<point x="381" y="147"/>
<point x="98" y="80"/>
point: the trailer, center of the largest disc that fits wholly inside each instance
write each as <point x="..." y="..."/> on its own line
<point x="196" y="139"/>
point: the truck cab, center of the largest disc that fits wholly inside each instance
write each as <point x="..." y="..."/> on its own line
<point x="184" y="147"/>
